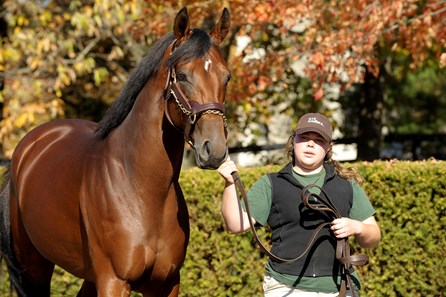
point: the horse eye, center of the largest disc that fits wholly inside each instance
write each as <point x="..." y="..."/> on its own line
<point x="181" y="76"/>
<point x="228" y="78"/>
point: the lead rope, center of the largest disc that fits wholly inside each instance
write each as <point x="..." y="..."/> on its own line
<point x="319" y="204"/>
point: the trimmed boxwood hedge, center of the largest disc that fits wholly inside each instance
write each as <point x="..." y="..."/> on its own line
<point x="410" y="199"/>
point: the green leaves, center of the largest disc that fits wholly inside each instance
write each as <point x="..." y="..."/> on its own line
<point x="410" y="200"/>
<point x="56" y="54"/>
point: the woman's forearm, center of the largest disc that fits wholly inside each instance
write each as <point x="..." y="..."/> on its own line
<point x="236" y="219"/>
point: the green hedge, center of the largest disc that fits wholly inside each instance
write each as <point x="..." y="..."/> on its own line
<point x="410" y="199"/>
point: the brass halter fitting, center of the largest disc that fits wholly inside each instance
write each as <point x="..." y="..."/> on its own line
<point x="192" y="109"/>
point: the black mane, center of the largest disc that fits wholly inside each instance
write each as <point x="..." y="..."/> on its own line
<point x="195" y="47"/>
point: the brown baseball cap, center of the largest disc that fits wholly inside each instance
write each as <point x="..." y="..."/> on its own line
<point x="315" y="122"/>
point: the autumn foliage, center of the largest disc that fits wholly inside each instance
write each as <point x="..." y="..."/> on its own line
<point x="70" y="58"/>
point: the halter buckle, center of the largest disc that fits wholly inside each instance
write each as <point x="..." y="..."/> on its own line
<point x="193" y="119"/>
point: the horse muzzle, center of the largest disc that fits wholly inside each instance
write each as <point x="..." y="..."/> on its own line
<point x="210" y="154"/>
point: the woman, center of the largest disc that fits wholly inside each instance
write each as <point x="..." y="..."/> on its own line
<point x="275" y="199"/>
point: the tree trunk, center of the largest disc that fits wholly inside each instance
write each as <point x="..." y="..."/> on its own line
<point x="370" y="124"/>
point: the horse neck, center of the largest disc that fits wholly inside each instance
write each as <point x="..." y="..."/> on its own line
<point x="145" y="142"/>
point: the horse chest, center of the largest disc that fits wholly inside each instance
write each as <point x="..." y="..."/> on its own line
<point x="133" y="263"/>
<point x="138" y="239"/>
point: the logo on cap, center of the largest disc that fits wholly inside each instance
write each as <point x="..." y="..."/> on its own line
<point x="314" y="121"/>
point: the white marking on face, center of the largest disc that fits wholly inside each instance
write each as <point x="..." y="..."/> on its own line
<point x="207" y="64"/>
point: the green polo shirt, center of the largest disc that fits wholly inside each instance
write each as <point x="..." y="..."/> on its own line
<point x="260" y="199"/>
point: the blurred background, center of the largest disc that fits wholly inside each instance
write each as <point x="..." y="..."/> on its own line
<point x="376" y="68"/>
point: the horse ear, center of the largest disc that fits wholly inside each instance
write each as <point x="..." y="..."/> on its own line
<point x="221" y="29"/>
<point x="181" y="26"/>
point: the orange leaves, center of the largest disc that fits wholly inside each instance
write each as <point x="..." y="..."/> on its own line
<point x="87" y="48"/>
<point x="261" y="13"/>
<point x="372" y="65"/>
<point x="417" y="29"/>
<point x="52" y="53"/>
<point x="319" y="94"/>
<point x="443" y="60"/>
<point x="318" y="60"/>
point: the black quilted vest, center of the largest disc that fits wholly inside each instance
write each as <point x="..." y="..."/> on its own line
<point x="292" y="224"/>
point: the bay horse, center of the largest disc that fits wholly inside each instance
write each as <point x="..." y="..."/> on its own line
<point x="102" y="200"/>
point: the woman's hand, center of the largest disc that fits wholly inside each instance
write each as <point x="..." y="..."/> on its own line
<point x="226" y="169"/>
<point x="367" y="233"/>
<point x="345" y="227"/>
<point x="236" y="219"/>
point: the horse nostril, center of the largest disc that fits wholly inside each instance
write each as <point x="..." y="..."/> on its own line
<point x="210" y="155"/>
<point x="206" y="150"/>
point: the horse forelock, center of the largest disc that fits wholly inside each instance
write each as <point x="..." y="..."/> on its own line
<point x="197" y="46"/>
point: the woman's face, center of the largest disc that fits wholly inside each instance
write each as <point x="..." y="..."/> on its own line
<point x="309" y="150"/>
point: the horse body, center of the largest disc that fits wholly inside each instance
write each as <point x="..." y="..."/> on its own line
<point x="105" y="203"/>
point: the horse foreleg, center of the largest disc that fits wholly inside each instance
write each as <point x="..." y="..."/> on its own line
<point x="36" y="275"/>
<point x="172" y="291"/>
<point x="32" y="271"/>
<point x="88" y="289"/>
<point x="170" y="288"/>
<point x="113" y="287"/>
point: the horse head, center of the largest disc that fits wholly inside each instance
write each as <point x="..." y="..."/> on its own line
<point x="196" y="87"/>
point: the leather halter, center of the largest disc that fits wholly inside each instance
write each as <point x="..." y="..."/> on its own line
<point x="319" y="203"/>
<point x="192" y="109"/>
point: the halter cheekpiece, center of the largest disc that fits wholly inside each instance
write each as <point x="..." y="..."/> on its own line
<point x="192" y="109"/>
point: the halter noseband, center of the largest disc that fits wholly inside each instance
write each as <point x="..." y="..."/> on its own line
<point x="192" y="109"/>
